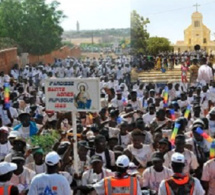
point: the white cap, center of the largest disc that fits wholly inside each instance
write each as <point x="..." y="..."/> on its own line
<point x="132" y="169"/>
<point x="6" y="167"/>
<point x="122" y="161"/>
<point x="14" y="134"/>
<point x="52" y="158"/>
<point x="4" y="128"/>
<point x="90" y="135"/>
<point x="178" y="158"/>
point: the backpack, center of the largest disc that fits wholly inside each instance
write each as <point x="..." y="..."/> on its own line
<point x="184" y="189"/>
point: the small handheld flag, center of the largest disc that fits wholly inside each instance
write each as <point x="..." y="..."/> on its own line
<point x="165" y="96"/>
<point x="212" y="150"/>
<point x="124" y="101"/>
<point x="119" y="120"/>
<point x="172" y="113"/>
<point x="174" y="133"/>
<point x="203" y="134"/>
<point x="7" y="95"/>
<point x="187" y="112"/>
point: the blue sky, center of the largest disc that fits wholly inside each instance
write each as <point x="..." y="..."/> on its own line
<point x="168" y="18"/>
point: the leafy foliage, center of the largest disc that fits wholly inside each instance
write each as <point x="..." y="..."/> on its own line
<point x="139" y="34"/>
<point x="45" y="141"/>
<point x="7" y="43"/>
<point x="32" y="24"/>
<point x="158" y="44"/>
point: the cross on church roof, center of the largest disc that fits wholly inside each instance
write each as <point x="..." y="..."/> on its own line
<point x="196" y="5"/>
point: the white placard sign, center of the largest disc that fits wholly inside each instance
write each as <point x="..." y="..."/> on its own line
<point x="72" y="94"/>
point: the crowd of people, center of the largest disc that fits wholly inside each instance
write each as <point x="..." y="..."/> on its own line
<point x="146" y="139"/>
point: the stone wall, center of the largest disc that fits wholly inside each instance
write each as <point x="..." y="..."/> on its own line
<point x="8" y="57"/>
<point x="61" y="53"/>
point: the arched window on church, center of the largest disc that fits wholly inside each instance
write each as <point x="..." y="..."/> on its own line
<point x="204" y="40"/>
<point x="196" y="23"/>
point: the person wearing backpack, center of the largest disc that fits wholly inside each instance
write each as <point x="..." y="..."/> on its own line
<point x="180" y="183"/>
<point x="101" y="149"/>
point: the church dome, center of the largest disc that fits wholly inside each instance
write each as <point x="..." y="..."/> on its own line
<point x="196" y="15"/>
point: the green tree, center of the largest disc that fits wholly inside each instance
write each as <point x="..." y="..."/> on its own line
<point x="33" y="24"/>
<point x="139" y="34"/>
<point x="158" y="44"/>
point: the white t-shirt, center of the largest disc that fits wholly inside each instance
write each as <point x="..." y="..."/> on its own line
<point x="23" y="180"/>
<point x="208" y="174"/>
<point x="190" y="99"/>
<point x="135" y="105"/>
<point x="212" y="94"/>
<point x="125" y="140"/>
<point x="183" y="103"/>
<point x="152" y="178"/>
<point x="190" y="160"/>
<point x="67" y="176"/>
<point x="198" y="190"/>
<point x="89" y="177"/>
<point x="204" y="100"/>
<point x="4" y="115"/>
<point x="49" y="184"/>
<point x="4" y="150"/>
<point x="36" y="168"/>
<point x="147" y="118"/>
<point x="211" y="127"/>
<point x="142" y="155"/>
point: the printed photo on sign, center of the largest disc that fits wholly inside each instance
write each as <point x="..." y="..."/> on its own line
<point x="82" y="100"/>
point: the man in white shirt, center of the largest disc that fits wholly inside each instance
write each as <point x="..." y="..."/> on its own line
<point x="121" y="183"/>
<point x="208" y="177"/>
<point x="180" y="183"/>
<point x="108" y="156"/>
<point x="153" y="175"/>
<point x="150" y="115"/>
<point x="6" y="171"/>
<point x="191" y="162"/>
<point x="96" y="173"/>
<point x="22" y="176"/>
<point x="50" y="182"/>
<point x="5" y="145"/>
<point x="205" y="74"/>
<point x="139" y="153"/>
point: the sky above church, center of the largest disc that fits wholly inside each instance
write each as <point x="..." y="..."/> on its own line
<point x="168" y="18"/>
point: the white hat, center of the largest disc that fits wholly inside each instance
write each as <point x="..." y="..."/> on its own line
<point x="14" y="134"/>
<point x="52" y="158"/>
<point x="4" y="128"/>
<point x="132" y="169"/>
<point x="122" y="161"/>
<point x="105" y="85"/>
<point x="178" y="158"/>
<point x="6" y="167"/>
<point x="90" y="135"/>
